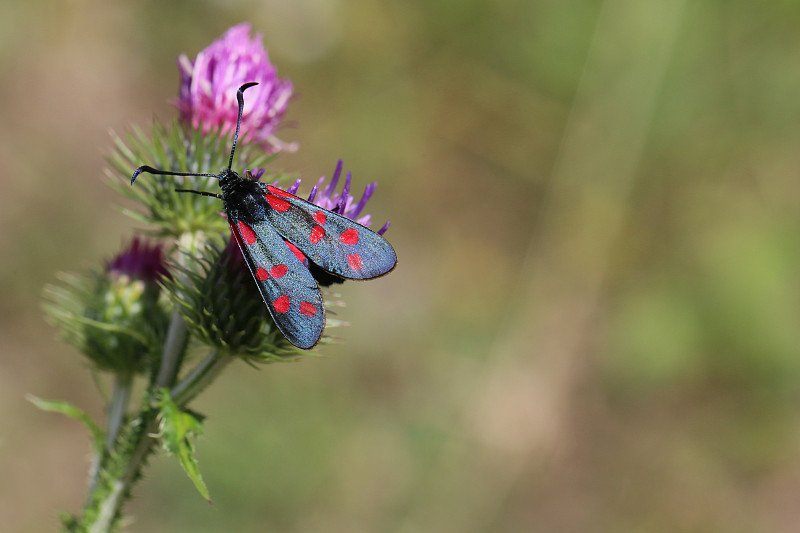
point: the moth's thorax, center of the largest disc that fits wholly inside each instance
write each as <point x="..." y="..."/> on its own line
<point x="241" y="196"/>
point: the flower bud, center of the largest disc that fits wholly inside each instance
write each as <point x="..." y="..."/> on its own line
<point x="115" y="317"/>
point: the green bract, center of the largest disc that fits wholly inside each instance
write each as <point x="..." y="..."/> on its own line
<point x="180" y="149"/>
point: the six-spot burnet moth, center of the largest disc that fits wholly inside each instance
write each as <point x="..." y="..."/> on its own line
<point x="280" y="233"/>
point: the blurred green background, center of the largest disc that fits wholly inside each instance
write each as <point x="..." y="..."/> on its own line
<point x="593" y="324"/>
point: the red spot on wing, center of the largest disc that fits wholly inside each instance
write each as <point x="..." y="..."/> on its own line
<point x="320" y="217"/>
<point x="316" y="234"/>
<point x="262" y="274"/>
<point x="280" y="192"/>
<point x="278" y="270"/>
<point x="247" y="232"/>
<point x="350" y="236"/>
<point x="281" y="304"/>
<point x="354" y="260"/>
<point x="308" y="308"/>
<point x="295" y="251"/>
<point x="278" y="204"/>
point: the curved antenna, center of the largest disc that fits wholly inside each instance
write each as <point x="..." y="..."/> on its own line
<point x="151" y="170"/>
<point x="240" y="99"/>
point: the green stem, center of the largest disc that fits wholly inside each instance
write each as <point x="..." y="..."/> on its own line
<point x="117" y="491"/>
<point x="174" y="348"/>
<point x="122" y="462"/>
<point x="200" y="377"/>
<point x="175" y="343"/>
<point x="130" y="454"/>
<point x="117" y="407"/>
<point x="120" y="396"/>
<point x="133" y="454"/>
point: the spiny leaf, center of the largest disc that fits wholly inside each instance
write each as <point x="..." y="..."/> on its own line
<point x="178" y="427"/>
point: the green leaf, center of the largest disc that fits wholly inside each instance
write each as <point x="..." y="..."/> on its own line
<point x="66" y="408"/>
<point x="178" y="427"/>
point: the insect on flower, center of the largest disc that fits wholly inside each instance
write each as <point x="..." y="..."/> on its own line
<point x="277" y="232"/>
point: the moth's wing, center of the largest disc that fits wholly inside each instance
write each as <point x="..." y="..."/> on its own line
<point x="333" y="242"/>
<point x="288" y="288"/>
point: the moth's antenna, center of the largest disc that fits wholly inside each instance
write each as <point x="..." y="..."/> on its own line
<point x="240" y="98"/>
<point x="151" y="170"/>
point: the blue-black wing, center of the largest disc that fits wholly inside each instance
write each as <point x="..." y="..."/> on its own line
<point x="333" y="242"/>
<point x="288" y="288"/>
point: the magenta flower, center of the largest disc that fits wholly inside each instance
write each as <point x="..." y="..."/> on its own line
<point x="139" y="260"/>
<point x="209" y="84"/>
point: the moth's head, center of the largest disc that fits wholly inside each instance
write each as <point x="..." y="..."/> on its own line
<point x="228" y="176"/>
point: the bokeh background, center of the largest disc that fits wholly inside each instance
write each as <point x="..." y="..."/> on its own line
<point x="594" y="322"/>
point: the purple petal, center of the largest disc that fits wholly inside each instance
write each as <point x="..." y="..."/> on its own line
<point x="313" y="194"/>
<point x="340" y="208"/>
<point x="294" y="187"/>
<point x="368" y="190"/>
<point x="334" y="179"/>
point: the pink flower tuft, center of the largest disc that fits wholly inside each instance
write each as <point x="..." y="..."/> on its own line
<point x="209" y="84"/>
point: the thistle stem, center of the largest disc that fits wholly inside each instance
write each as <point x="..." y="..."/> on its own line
<point x="200" y="377"/>
<point x="174" y="348"/>
<point x="107" y="509"/>
<point x="118" y="489"/>
<point x="175" y="343"/>
<point x="118" y="406"/>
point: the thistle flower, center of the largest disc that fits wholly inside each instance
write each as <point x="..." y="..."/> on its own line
<point x="209" y="83"/>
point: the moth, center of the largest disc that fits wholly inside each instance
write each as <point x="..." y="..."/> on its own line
<point x="280" y="233"/>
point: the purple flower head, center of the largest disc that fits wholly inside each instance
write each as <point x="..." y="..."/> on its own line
<point x="209" y="85"/>
<point x="342" y="202"/>
<point x="139" y="260"/>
